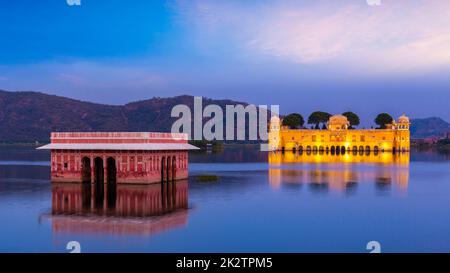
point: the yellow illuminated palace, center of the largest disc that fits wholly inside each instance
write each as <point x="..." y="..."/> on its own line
<point x="338" y="138"/>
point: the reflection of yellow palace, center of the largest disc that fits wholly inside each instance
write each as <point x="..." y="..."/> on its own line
<point x="387" y="168"/>
<point x="391" y="169"/>
<point x="398" y="159"/>
<point x="342" y="178"/>
<point x="338" y="138"/>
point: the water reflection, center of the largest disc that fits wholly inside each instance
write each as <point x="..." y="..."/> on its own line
<point x="342" y="180"/>
<point x="243" y="200"/>
<point x="388" y="170"/>
<point x="348" y="157"/>
<point x="122" y="209"/>
<point x="230" y="154"/>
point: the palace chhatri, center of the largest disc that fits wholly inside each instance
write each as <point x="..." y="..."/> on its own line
<point x="338" y="137"/>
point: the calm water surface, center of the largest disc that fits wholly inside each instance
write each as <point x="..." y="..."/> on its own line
<point x="261" y="203"/>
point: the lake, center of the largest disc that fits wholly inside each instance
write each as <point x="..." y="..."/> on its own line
<point x="261" y="202"/>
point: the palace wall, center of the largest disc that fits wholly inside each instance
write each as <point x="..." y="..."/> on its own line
<point x="315" y="140"/>
<point x="127" y="167"/>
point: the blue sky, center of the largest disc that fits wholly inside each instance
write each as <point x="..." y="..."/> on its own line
<point x="305" y="55"/>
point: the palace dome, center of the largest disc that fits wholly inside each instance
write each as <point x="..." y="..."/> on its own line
<point x="338" y="119"/>
<point x="403" y="119"/>
<point x="275" y="119"/>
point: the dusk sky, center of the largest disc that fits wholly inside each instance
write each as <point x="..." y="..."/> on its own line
<point x="305" y="55"/>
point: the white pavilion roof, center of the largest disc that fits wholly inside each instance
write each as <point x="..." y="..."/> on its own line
<point x="120" y="146"/>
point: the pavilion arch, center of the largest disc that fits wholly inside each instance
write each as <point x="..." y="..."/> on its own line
<point x="111" y="181"/>
<point x="86" y="170"/>
<point x="376" y="149"/>
<point x="111" y="171"/>
<point x="99" y="186"/>
<point x="333" y="150"/>
<point x="99" y="173"/>
<point x="343" y="150"/>
<point x="361" y="150"/>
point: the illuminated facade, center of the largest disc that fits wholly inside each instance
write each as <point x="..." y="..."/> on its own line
<point x="339" y="139"/>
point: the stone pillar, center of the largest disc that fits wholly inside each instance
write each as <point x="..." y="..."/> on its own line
<point x="175" y="166"/>
<point x="169" y="168"/>
<point x="92" y="198"/>
<point x="105" y="170"/>
<point x="92" y="163"/>
<point x="163" y="169"/>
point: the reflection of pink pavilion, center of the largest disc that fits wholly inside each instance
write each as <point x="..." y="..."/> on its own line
<point x="120" y="201"/>
<point x="123" y="157"/>
<point x="125" y="209"/>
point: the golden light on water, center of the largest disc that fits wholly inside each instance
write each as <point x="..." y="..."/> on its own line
<point x="339" y="172"/>
<point x="277" y="158"/>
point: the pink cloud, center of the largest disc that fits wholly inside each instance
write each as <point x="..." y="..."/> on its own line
<point x="397" y="36"/>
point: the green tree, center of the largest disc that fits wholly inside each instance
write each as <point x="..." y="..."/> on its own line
<point x="293" y="120"/>
<point x="352" y="118"/>
<point x="318" y="117"/>
<point x="325" y="117"/>
<point x="383" y="119"/>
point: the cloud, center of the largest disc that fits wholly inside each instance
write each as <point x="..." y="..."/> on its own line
<point x="398" y="36"/>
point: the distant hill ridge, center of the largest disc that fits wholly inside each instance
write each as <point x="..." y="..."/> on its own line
<point x="429" y="127"/>
<point x="31" y="116"/>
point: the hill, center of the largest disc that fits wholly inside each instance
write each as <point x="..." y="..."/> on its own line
<point x="31" y="116"/>
<point x="429" y="127"/>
